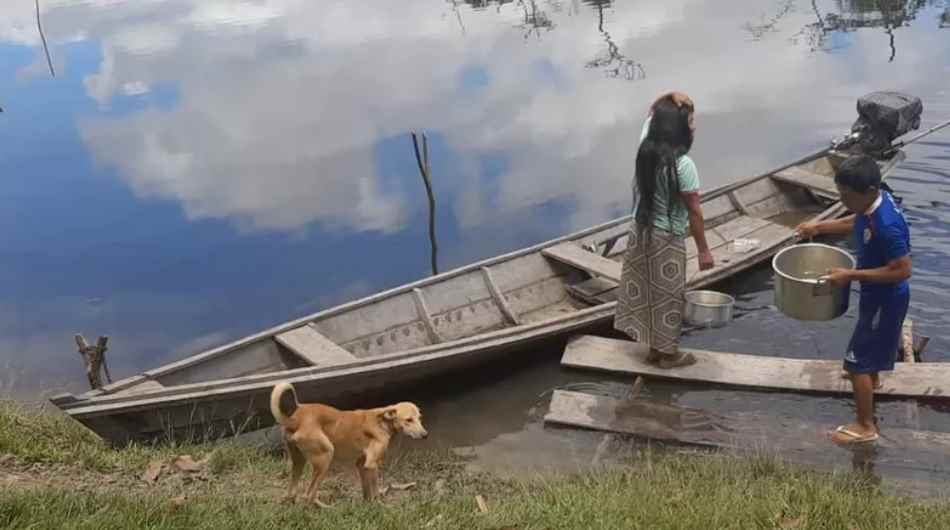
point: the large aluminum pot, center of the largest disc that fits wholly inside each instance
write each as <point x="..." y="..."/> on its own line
<point x="802" y="290"/>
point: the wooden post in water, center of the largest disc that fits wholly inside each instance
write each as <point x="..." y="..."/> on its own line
<point x="907" y="341"/>
<point x="94" y="357"/>
<point x="907" y="355"/>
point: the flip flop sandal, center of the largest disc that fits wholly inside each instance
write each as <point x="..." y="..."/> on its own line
<point x="855" y="437"/>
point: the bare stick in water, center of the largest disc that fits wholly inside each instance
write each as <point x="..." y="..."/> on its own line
<point x="39" y="26"/>
<point x="422" y="159"/>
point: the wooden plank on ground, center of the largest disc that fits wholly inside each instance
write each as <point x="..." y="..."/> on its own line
<point x="314" y="347"/>
<point x="818" y="184"/>
<point x="685" y="425"/>
<point x="571" y="254"/>
<point x="928" y="380"/>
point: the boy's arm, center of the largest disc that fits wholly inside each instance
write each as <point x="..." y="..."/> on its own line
<point x="895" y="271"/>
<point x="898" y="268"/>
<point x="841" y="226"/>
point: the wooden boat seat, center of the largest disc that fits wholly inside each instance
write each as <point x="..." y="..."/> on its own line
<point x="314" y="347"/>
<point x="820" y="185"/>
<point x="571" y="254"/>
<point x="142" y="388"/>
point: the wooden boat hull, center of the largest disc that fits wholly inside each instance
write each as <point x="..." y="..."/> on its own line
<point x="469" y="316"/>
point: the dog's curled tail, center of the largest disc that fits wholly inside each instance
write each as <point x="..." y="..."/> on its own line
<point x="283" y="402"/>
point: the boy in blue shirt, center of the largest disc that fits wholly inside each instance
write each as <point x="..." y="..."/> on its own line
<point x="884" y="266"/>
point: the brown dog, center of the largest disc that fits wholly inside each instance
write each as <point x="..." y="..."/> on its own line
<point x="316" y="433"/>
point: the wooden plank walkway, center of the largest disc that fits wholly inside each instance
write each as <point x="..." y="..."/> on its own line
<point x="926" y="380"/>
<point x="691" y="426"/>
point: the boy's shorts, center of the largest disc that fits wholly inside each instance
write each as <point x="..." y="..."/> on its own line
<point x="877" y="336"/>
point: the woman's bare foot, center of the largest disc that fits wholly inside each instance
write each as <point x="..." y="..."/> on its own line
<point x="654" y="356"/>
<point x="677" y="360"/>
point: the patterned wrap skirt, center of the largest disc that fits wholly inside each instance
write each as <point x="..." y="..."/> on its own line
<point x="650" y="295"/>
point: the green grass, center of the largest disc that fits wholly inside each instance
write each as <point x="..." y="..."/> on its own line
<point x="661" y="492"/>
<point x="39" y="435"/>
<point x="656" y="490"/>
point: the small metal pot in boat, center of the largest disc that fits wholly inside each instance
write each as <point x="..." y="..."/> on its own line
<point x="707" y="308"/>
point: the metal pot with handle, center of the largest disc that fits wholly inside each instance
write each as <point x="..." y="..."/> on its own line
<point x="802" y="289"/>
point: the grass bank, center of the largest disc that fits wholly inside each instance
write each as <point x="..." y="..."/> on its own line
<point x="53" y="474"/>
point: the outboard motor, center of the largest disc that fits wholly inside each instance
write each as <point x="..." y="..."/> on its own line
<point x="882" y="118"/>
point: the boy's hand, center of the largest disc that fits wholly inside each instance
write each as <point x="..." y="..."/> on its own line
<point x="806" y="230"/>
<point x="839" y="277"/>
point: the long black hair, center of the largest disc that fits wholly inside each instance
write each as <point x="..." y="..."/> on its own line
<point x="668" y="139"/>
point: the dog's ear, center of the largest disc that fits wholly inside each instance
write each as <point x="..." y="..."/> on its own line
<point x="389" y="414"/>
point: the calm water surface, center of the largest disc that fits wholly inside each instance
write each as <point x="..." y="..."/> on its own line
<point x="199" y="170"/>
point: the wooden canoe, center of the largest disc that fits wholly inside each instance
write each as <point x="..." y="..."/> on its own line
<point x="467" y="316"/>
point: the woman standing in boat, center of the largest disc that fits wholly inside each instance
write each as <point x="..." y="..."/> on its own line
<point x="653" y="279"/>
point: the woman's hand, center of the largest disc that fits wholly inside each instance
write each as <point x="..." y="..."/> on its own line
<point x="679" y="99"/>
<point x="706" y="260"/>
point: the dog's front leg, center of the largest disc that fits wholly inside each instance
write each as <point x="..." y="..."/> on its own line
<point x="365" y="479"/>
<point x="369" y="471"/>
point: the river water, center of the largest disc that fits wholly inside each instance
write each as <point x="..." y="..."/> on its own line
<point x="181" y="173"/>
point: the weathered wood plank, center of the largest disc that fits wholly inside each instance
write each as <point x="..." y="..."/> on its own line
<point x="575" y="256"/>
<point x="260" y="357"/>
<point x="313" y="347"/>
<point x="820" y="185"/>
<point x="594" y="290"/>
<point x="907" y="341"/>
<point x="697" y="427"/>
<point x="423" y="311"/>
<point x="733" y="369"/>
<point x="740" y="227"/>
<point x="144" y="387"/>
<point x="737" y="203"/>
<point x="499" y="298"/>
